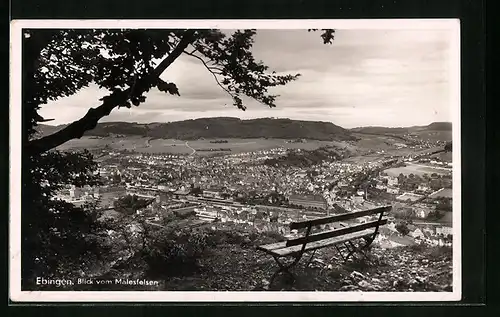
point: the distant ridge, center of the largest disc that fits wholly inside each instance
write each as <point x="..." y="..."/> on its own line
<point x="229" y="127"/>
<point x="221" y="127"/>
<point x="434" y="126"/>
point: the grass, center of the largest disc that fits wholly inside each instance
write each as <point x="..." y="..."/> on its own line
<point x="414" y="169"/>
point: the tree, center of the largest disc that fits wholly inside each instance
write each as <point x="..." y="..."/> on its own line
<point x="117" y="178"/>
<point x="448" y="147"/>
<point x="435" y="215"/>
<point x="130" y="204"/>
<point x="58" y="238"/>
<point x="402" y="228"/>
<point x="197" y="191"/>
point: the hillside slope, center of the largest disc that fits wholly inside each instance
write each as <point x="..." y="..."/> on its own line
<point x="233" y="263"/>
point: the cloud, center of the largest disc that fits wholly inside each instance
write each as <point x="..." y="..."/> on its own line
<point x="366" y="77"/>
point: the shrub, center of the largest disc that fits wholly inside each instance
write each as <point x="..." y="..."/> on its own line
<point x="170" y="251"/>
<point x="402" y="228"/>
<point x="418" y="247"/>
<point x="268" y="237"/>
<point x="441" y="252"/>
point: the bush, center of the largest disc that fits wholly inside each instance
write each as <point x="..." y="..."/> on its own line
<point x="224" y="236"/>
<point x="402" y="228"/>
<point x="419" y="247"/>
<point x="241" y="235"/>
<point x="173" y="250"/>
<point x="441" y="252"/>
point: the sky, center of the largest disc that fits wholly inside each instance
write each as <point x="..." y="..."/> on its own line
<point x="365" y="78"/>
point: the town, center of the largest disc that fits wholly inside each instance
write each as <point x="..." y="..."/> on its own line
<point x="256" y="189"/>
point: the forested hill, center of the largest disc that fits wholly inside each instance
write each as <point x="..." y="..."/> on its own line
<point x="435" y="126"/>
<point x="222" y="127"/>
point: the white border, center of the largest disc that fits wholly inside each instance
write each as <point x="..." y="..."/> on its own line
<point x="17" y="295"/>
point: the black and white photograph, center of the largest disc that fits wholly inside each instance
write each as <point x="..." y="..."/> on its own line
<point x="235" y="160"/>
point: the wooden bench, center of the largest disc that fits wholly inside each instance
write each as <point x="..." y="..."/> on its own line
<point x="354" y="237"/>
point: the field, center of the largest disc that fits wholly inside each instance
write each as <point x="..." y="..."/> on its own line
<point x="416" y="169"/>
<point x="434" y="135"/>
<point x="362" y="151"/>
<point x="193" y="147"/>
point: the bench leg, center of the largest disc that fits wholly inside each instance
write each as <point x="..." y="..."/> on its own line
<point x="285" y="268"/>
<point x="310" y="259"/>
<point x="359" y="250"/>
<point x="351" y="251"/>
<point x="340" y="252"/>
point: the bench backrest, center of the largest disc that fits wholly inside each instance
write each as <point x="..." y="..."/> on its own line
<point x="340" y="231"/>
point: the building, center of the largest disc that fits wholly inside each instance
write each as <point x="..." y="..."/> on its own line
<point x="423" y="188"/>
<point x="308" y="201"/>
<point x="423" y="211"/>
<point x="358" y="199"/>
<point x="391" y="190"/>
<point x="392" y="181"/>
<point x="381" y="186"/>
<point x="444" y="230"/>
<point x="212" y="193"/>
<point x="417" y="233"/>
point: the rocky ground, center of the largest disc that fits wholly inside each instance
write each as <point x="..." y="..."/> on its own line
<point x="237" y="266"/>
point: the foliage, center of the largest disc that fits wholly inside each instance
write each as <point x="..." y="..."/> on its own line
<point x="402" y="228"/>
<point x="444" y="204"/>
<point x="435" y="215"/>
<point x="58" y="237"/>
<point x="448" y="147"/>
<point x="195" y="190"/>
<point x="170" y="249"/>
<point x="130" y="204"/>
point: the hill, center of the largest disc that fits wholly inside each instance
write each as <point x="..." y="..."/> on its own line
<point x="434" y="126"/>
<point x="222" y="127"/>
<point x="227" y="127"/>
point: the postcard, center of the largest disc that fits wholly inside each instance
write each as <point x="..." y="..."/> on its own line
<point x="235" y="160"/>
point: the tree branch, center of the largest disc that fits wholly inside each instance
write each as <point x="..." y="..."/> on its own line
<point x="76" y="129"/>
<point x="209" y="68"/>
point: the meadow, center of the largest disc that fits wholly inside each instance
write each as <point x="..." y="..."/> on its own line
<point x="416" y="170"/>
<point x="172" y="146"/>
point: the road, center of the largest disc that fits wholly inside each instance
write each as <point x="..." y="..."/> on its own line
<point x="187" y="145"/>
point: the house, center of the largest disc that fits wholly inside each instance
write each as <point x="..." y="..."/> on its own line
<point x="392" y="181"/>
<point x="423" y="188"/>
<point x="311" y="201"/>
<point x="391" y="190"/>
<point x="212" y="193"/>
<point x="422" y="212"/>
<point x="444" y="230"/>
<point x="417" y="233"/>
<point x="301" y="174"/>
<point x="380" y="186"/>
<point x="357" y="199"/>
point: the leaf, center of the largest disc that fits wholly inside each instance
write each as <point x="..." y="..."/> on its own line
<point x="170" y="88"/>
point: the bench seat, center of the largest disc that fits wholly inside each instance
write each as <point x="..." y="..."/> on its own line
<point x="280" y="249"/>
